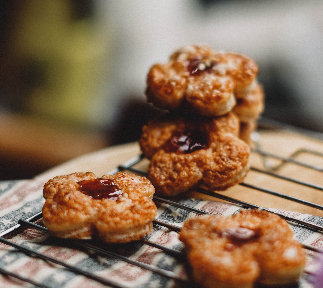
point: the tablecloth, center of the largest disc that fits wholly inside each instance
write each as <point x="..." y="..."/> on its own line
<point x="23" y="198"/>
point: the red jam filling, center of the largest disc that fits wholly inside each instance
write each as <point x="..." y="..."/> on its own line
<point x="186" y="142"/>
<point x="197" y="66"/>
<point x="100" y="189"/>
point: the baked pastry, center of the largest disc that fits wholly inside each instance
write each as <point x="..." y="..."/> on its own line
<point x="237" y="251"/>
<point x="187" y="150"/>
<point x="115" y="208"/>
<point x="200" y="79"/>
<point x="246" y="130"/>
<point x="250" y="107"/>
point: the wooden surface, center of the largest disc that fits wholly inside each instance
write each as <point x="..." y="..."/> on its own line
<point x="284" y="144"/>
<point x="279" y="143"/>
<point x="30" y="145"/>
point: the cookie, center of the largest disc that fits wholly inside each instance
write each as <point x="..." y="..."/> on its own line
<point x="188" y="151"/>
<point x="251" y="106"/>
<point x="199" y="79"/>
<point x="246" y="130"/>
<point x="237" y="251"/>
<point x="115" y="208"/>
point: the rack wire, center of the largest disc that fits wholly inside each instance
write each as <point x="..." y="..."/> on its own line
<point x="95" y="247"/>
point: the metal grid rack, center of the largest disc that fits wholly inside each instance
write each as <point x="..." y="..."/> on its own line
<point x="34" y="222"/>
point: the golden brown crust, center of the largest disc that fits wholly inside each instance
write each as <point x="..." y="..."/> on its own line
<point x="236" y="251"/>
<point x="211" y="95"/>
<point x="241" y="68"/>
<point x="246" y="130"/>
<point x="158" y="130"/>
<point x="202" y="79"/>
<point x="223" y="162"/>
<point x="166" y="85"/>
<point x="251" y="106"/>
<point x="69" y="213"/>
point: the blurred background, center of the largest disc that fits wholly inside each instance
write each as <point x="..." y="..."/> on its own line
<point x="73" y="72"/>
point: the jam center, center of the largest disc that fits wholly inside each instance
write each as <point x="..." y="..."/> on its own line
<point x="100" y="189"/>
<point x="198" y="66"/>
<point x="186" y="142"/>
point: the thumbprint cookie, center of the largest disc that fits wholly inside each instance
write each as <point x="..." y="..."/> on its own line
<point x="186" y="151"/>
<point x="240" y="250"/>
<point x="115" y="208"/>
<point x="199" y="79"/>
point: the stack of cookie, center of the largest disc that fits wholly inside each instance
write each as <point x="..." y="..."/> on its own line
<point x="213" y="102"/>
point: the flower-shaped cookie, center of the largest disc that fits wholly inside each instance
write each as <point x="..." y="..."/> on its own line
<point x="248" y="110"/>
<point x="246" y="130"/>
<point x="237" y="251"/>
<point x="251" y="106"/>
<point x="115" y="208"/>
<point x="189" y="150"/>
<point x="202" y="80"/>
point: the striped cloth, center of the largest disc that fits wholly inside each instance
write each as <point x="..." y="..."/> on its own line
<point x="22" y="199"/>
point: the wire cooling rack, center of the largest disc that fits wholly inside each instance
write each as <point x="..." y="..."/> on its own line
<point x="272" y="166"/>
